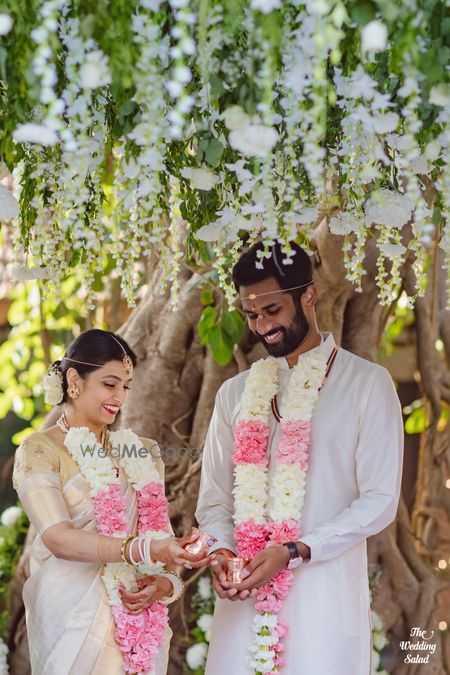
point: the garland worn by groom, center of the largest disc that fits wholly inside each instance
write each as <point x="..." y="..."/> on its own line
<point x="302" y="463"/>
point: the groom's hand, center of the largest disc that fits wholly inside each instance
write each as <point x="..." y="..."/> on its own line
<point x="262" y="568"/>
<point x="219" y="579"/>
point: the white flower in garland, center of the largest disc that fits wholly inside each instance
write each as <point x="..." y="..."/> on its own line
<point x="250" y="491"/>
<point x="387" y="207"/>
<point x="127" y="444"/>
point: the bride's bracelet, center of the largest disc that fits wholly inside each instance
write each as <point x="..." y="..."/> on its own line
<point x="142" y="542"/>
<point x="123" y="550"/>
<point x="177" y="584"/>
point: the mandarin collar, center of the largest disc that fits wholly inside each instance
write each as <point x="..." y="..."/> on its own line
<point x="325" y="348"/>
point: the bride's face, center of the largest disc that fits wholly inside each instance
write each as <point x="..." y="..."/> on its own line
<point x="102" y="392"/>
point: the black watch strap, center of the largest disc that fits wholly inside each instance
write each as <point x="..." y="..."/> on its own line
<point x="293" y="550"/>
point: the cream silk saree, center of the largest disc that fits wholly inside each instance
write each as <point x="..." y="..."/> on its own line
<point x="69" y="624"/>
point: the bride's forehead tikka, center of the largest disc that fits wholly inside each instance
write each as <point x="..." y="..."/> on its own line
<point x="126" y="360"/>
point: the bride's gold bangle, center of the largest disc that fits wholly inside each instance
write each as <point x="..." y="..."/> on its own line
<point x="123" y="550"/>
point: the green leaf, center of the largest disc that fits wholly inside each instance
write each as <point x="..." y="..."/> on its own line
<point x="207" y="321"/>
<point x="233" y="324"/>
<point x="221" y="345"/>
<point x="214" y="152"/>
<point x="361" y="12"/>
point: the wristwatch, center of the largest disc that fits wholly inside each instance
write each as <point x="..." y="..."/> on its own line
<point x="295" y="559"/>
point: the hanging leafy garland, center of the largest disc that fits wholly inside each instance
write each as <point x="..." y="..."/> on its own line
<point x="187" y="127"/>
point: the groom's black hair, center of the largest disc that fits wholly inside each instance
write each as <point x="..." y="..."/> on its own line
<point x="245" y="272"/>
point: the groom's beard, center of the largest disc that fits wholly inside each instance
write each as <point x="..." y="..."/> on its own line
<point x="292" y="336"/>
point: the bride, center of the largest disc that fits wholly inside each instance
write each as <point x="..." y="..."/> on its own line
<point x="101" y="564"/>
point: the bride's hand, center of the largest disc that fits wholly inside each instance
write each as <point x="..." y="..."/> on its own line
<point x="170" y="551"/>
<point x="150" y="590"/>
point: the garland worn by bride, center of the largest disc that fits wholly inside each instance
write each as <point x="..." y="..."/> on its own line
<point x="139" y="636"/>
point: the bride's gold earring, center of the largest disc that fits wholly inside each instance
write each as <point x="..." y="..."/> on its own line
<point x="73" y="391"/>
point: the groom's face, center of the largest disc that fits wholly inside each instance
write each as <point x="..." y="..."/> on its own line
<point x="276" y="318"/>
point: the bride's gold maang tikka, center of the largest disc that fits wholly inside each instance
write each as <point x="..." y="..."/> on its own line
<point x="126" y="360"/>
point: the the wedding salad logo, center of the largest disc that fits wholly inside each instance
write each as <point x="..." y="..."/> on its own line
<point x="420" y="644"/>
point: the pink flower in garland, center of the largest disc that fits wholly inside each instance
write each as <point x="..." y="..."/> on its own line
<point x="281" y="583"/>
<point x="250" y="443"/>
<point x="251" y="538"/>
<point x="295" y="443"/>
<point x="153" y="509"/>
<point x="283" y="531"/>
<point x="140" y="636"/>
<point x="110" y="510"/>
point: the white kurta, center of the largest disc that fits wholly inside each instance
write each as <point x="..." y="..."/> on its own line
<point x="352" y="492"/>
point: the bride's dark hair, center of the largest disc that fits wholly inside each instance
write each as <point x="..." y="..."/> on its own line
<point x="96" y="347"/>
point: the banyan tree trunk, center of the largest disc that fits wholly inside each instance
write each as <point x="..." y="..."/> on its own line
<point x="172" y="400"/>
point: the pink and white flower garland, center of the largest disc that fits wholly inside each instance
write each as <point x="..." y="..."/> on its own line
<point x="139" y="636"/>
<point x="269" y="512"/>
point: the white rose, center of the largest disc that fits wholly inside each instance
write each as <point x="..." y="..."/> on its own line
<point x="375" y="661"/>
<point x="235" y="118"/>
<point x="254" y="139"/>
<point x="202" y="179"/>
<point x="205" y="622"/>
<point x="204" y="588"/>
<point x="9" y="207"/>
<point x="94" y="72"/>
<point x="34" y="133"/>
<point x="52" y="384"/>
<point x="379" y="640"/>
<point x="11" y="516"/>
<point x="265" y="6"/>
<point x="377" y="623"/>
<point x="374" y="36"/>
<point x="6" y="23"/>
<point x="196" y="655"/>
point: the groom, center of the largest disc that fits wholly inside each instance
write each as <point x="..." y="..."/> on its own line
<point x="343" y="487"/>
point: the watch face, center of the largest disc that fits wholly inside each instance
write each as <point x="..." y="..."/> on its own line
<point x="294" y="562"/>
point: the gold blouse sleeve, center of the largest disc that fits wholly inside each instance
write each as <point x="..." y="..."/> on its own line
<point x="37" y="481"/>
